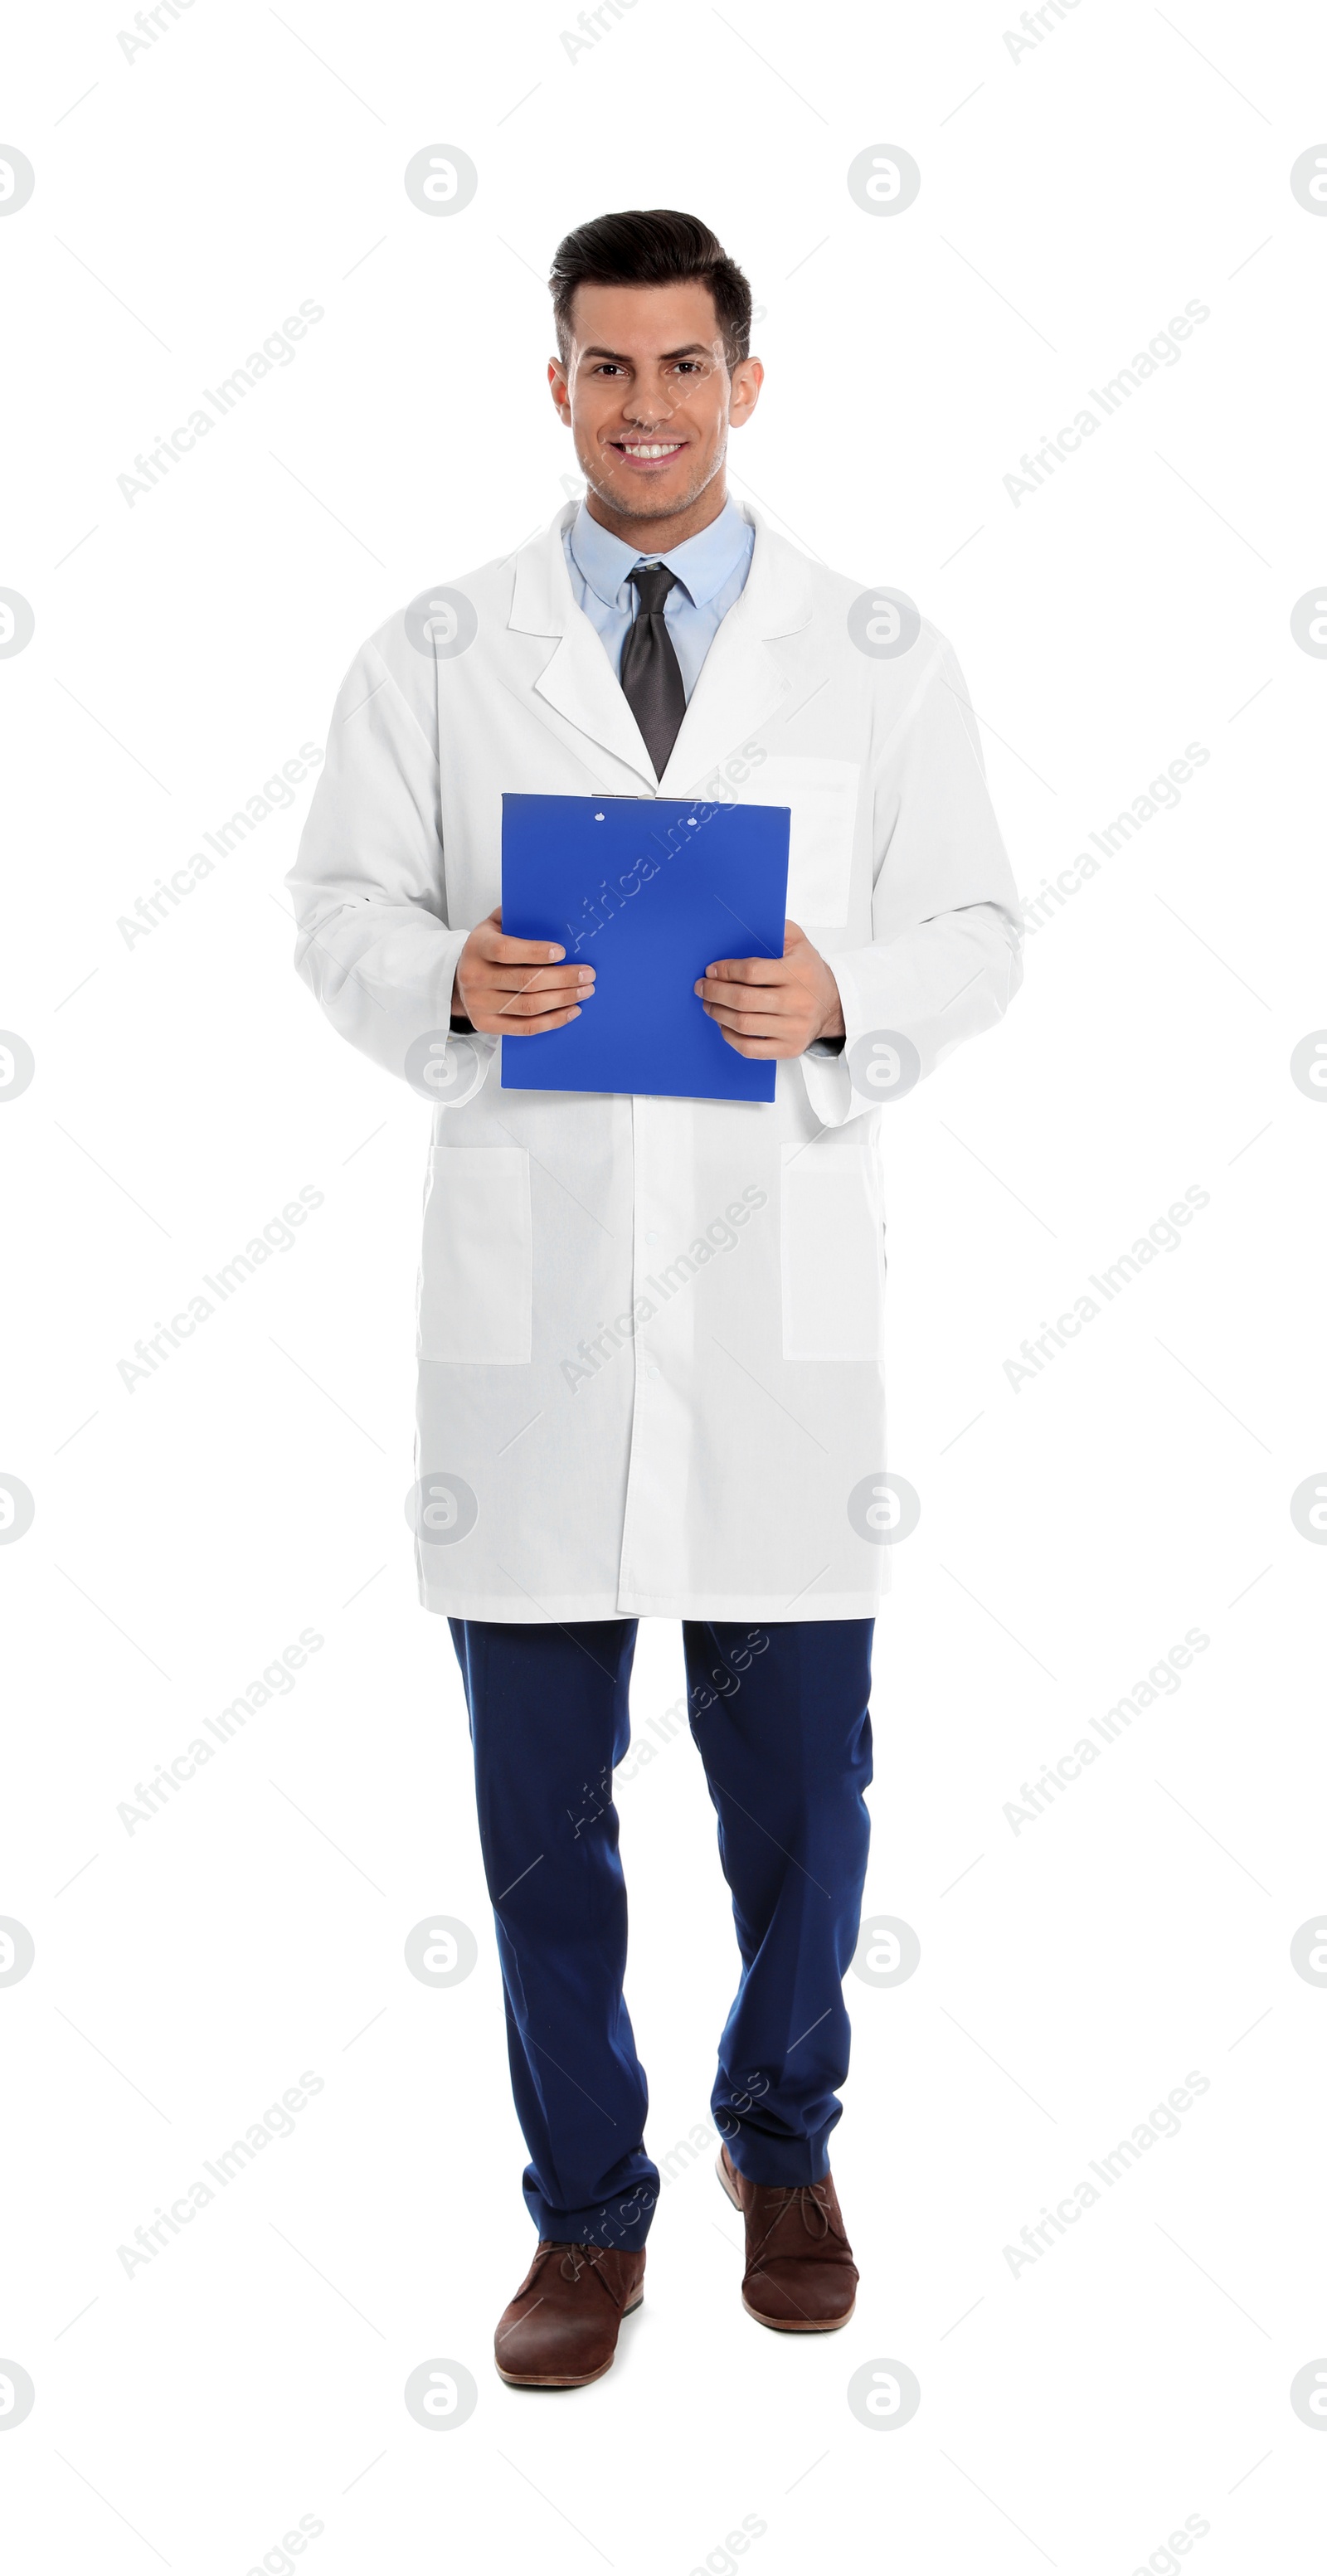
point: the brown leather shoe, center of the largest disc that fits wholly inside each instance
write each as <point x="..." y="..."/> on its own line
<point x="800" y="2276"/>
<point x="560" y="2330"/>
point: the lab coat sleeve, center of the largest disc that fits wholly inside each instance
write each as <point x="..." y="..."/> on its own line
<point x="944" y="962"/>
<point x="368" y="885"/>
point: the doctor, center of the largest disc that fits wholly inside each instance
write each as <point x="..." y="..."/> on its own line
<point x="650" y="1329"/>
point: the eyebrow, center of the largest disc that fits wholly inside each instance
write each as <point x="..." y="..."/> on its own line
<point x="693" y="349"/>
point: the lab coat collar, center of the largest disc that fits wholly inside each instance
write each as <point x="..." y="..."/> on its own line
<point x="741" y="682"/>
<point x="701" y="563"/>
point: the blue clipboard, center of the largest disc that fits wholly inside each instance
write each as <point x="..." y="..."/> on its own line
<point x="647" y="890"/>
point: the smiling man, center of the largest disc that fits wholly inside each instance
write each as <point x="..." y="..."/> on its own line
<point x="650" y="1327"/>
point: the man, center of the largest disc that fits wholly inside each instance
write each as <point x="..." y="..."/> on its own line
<point x="649" y="1328"/>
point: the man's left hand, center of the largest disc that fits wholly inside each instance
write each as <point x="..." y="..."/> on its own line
<point x="774" y="1006"/>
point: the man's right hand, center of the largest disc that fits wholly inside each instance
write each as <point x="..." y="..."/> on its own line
<point x="516" y="988"/>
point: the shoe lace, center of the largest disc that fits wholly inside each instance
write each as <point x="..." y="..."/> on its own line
<point x="811" y="2201"/>
<point x="808" y="2201"/>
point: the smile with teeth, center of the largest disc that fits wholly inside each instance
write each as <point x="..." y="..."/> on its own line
<point x="649" y="449"/>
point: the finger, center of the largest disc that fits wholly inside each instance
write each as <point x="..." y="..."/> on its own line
<point x="747" y="970"/>
<point x="532" y="1006"/>
<point x="760" y="1047"/>
<point x="756" y="1024"/>
<point x="743" y="997"/>
<point x="793" y="937"/>
<point x="763" y="999"/>
<point x="502" y="1026"/>
<point x="536" y="979"/>
<point x="518" y="952"/>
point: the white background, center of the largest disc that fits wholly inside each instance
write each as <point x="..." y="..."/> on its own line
<point x="1072" y="1973"/>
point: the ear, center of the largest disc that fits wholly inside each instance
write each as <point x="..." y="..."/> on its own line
<point x="747" y="378"/>
<point x="558" y="388"/>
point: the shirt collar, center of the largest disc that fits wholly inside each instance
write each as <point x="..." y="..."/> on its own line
<point x="702" y="563"/>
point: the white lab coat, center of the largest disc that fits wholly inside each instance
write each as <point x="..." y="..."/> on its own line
<point x="649" y="1338"/>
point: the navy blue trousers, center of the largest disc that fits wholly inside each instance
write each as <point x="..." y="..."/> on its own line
<point x="779" y="1714"/>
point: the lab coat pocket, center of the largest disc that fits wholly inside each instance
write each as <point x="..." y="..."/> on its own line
<point x="832" y="1253"/>
<point x="822" y="795"/>
<point x="475" y="1283"/>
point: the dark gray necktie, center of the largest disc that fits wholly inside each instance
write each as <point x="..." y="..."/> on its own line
<point x="650" y="672"/>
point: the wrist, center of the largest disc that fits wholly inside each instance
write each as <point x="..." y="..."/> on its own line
<point x="832" y="1025"/>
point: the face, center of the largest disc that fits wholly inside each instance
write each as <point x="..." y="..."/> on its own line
<point x="648" y="397"/>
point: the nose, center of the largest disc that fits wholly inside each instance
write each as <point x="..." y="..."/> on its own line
<point x="648" y="408"/>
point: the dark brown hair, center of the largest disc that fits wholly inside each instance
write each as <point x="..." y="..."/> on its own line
<point x="658" y="248"/>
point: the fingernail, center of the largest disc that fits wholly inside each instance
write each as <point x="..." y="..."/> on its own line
<point x="556" y="953"/>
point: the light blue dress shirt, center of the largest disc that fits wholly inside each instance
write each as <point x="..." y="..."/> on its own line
<point x="711" y="573"/>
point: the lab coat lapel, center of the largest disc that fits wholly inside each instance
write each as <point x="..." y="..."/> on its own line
<point x="741" y="681"/>
<point x="577" y="681"/>
<point x="742" y="678"/>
